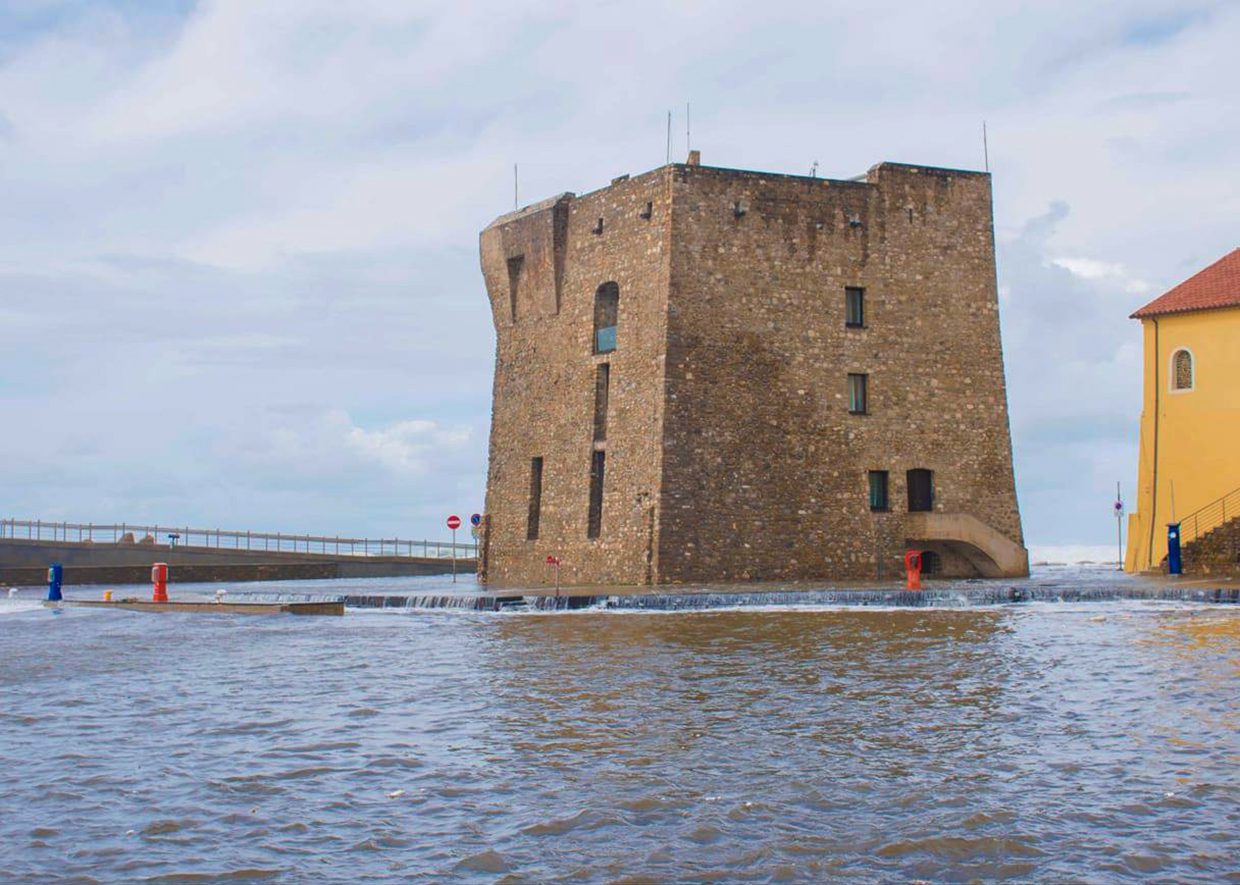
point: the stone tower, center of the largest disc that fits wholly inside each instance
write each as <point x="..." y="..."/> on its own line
<point x="706" y="374"/>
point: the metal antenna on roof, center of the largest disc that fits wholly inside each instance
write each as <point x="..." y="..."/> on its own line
<point x="515" y="189"/>
<point x="669" y="136"/>
<point x="688" y="141"/>
<point x="985" y="147"/>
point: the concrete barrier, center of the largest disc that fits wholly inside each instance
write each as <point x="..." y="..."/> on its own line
<point x="24" y="563"/>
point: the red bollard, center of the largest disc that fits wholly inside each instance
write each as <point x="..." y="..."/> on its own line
<point x="912" y="564"/>
<point x="159" y="578"/>
<point x="555" y="561"/>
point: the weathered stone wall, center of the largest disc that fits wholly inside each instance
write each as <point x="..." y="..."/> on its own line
<point x="731" y="452"/>
<point x="545" y="376"/>
<point x="765" y="470"/>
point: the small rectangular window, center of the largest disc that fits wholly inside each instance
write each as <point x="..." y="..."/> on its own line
<point x="858" y="403"/>
<point x="602" y="381"/>
<point x="920" y="490"/>
<point x="594" y="525"/>
<point x="606" y="317"/>
<point x="878" y="491"/>
<point x="536" y="470"/>
<point x="854" y="307"/>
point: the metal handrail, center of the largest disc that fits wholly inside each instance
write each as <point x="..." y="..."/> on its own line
<point x="1210" y="517"/>
<point x="226" y="539"/>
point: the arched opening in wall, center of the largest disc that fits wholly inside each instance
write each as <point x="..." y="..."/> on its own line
<point x="606" y="316"/>
<point x="931" y="563"/>
<point x="920" y="490"/>
<point x="1182" y="370"/>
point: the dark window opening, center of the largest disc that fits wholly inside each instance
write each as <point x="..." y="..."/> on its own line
<point x="878" y="491"/>
<point x="531" y="527"/>
<point x="931" y="563"/>
<point x="858" y="402"/>
<point x="606" y="315"/>
<point x="514" y="280"/>
<point x="920" y="491"/>
<point x="597" y="466"/>
<point x="598" y="228"/>
<point x="854" y="307"/>
<point x="648" y="211"/>
<point x="1182" y="366"/>
<point x="602" y="381"/>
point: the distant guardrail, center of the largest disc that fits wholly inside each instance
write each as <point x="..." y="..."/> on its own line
<point x="161" y="535"/>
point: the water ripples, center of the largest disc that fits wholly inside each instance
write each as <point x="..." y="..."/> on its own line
<point x="1048" y="742"/>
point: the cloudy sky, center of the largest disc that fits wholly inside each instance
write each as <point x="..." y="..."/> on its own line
<point x="238" y="271"/>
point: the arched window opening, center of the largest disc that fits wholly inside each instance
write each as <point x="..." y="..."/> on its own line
<point x="1182" y="370"/>
<point x="606" y="315"/>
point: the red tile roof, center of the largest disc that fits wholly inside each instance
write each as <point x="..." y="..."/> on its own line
<point x="1216" y="286"/>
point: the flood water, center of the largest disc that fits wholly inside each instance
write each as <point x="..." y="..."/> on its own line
<point x="1092" y="742"/>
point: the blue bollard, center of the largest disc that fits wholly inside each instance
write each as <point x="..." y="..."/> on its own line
<point x="55" y="577"/>
<point x="1174" y="565"/>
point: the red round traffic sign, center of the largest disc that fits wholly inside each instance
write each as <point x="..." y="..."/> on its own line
<point x="454" y="522"/>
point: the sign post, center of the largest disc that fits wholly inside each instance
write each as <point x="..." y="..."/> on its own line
<point x="454" y="523"/>
<point x="555" y="561"/>
<point x="476" y="521"/>
<point x="1119" y="526"/>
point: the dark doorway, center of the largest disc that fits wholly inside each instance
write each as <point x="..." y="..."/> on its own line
<point x="920" y="490"/>
<point x="931" y="564"/>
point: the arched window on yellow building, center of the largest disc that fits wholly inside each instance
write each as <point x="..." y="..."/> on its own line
<point x="1182" y="370"/>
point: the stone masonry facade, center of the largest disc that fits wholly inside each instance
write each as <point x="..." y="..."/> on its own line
<point x="711" y="375"/>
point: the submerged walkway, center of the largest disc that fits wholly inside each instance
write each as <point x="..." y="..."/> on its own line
<point x="1048" y="585"/>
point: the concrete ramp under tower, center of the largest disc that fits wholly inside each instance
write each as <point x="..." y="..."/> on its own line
<point x="992" y="553"/>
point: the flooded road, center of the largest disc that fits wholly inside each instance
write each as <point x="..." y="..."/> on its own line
<point x="1046" y="741"/>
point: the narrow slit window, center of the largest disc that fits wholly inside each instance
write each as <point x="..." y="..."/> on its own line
<point x="879" y="502"/>
<point x="854" y="307"/>
<point x="598" y="464"/>
<point x="858" y="397"/>
<point x="536" y="472"/>
<point x="515" y="264"/>
<point x="602" y="381"/>
<point x="606" y="315"/>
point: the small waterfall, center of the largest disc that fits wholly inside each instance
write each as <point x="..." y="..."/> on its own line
<point x="948" y="595"/>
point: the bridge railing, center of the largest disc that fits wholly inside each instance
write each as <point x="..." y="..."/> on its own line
<point x="161" y="535"/>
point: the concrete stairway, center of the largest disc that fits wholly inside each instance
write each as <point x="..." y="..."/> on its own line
<point x="1216" y="553"/>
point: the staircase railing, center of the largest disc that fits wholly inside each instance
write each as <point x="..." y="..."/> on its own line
<point x="1209" y="517"/>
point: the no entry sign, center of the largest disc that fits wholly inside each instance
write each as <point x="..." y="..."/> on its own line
<point x="454" y="522"/>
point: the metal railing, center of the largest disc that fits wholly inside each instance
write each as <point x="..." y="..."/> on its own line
<point x="222" y="539"/>
<point x="1213" y="515"/>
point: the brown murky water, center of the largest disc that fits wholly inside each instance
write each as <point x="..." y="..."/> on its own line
<point x="1044" y="742"/>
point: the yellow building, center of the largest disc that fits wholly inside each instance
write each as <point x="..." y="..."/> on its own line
<point x="1189" y="468"/>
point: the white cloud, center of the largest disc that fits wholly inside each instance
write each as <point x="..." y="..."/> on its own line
<point x="238" y="263"/>
<point x="1115" y="274"/>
